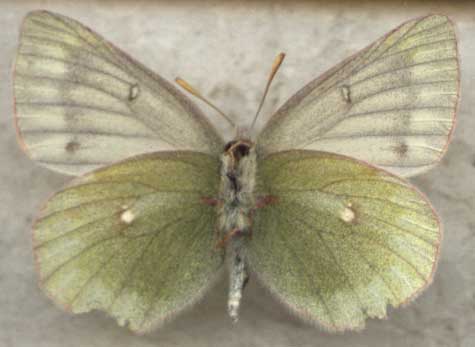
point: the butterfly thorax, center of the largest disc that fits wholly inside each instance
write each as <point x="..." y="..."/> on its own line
<point x="238" y="174"/>
<point x="238" y="170"/>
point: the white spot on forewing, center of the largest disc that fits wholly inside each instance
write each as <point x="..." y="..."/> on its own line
<point x="347" y="214"/>
<point x="127" y="217"/>
<point x="346" y="93"/>
<point x="134" y="92"/>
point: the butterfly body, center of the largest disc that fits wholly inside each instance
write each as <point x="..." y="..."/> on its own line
<point x="237" y="202"/>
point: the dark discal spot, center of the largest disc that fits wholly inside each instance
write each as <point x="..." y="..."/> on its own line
<point x="401" y="149"/>
<point x="72" y="146"/>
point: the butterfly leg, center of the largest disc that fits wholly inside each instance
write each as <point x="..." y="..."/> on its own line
<point x="211" y="201"/>
<point x="222" y="243"/>
<point x="263" y="201"/>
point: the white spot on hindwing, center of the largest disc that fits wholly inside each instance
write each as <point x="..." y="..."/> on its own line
<point x="348" y="214"/>
<point x="127" y="216"/>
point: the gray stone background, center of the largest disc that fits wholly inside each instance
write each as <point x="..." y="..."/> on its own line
<point x="226" y="49"/>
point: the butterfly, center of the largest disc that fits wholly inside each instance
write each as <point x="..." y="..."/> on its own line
<point x="315" y="206"/>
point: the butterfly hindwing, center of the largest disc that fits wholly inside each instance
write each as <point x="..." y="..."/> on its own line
<point x="392" y="104"/>
<point x="133" y="239"/>
<point x="82" y="103"/>
<point x="341" y="239"/>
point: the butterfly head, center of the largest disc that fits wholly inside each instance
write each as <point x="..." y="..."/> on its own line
<point x="238" y="149"/>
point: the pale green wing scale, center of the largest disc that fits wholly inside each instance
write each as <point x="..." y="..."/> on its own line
<point x="82" y="103"/>
<point x="341" y="240"/>
<point x="133" y="239"/>
<point x="393" y="104"/>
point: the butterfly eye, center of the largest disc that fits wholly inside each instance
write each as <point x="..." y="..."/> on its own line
<point x="241" y="151"/>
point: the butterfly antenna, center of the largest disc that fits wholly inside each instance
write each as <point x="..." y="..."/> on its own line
<point x="275" y="67"/>
<point x="186" y="86"/>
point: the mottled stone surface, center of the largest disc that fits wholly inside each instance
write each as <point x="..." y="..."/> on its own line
<point x="226" y="51"/>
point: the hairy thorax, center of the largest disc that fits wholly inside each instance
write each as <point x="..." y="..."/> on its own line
<point x="238" y="174"/>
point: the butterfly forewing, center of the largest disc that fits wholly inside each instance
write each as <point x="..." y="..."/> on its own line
<point x="392" y="104"/>
<point x="342" y="239"/>
<point x="82" y="103"/>
<point x="133" y="239"/>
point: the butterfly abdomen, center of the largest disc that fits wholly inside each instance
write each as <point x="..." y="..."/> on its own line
<point x="238" y="172"/>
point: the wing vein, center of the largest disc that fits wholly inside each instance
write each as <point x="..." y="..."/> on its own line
<point x="389" y="135"/>
<point x="392" y="251"/>
<point x="72" y="105"/>
<point x="319" y="234"/>
<point x="87" y="249"/>
<point x="76" y="64"/>
<point x="167" y="271"/>
<point x="91" y="278"/>
<point x="408" y="232"/>
<point x="354" y="115"/>
<point x="382" y="200"/>
<point x="84" y="132"/>
<point x="427" y="29"/>
<point x="105" y="44"/>
<point x="99" y="242"/>
<point x="370" y="264"/>
<point x="371" y="59"/>
<point x="137" y="262"/>
<point x="48" y="26"/>
<point x="384" y="246"/>
<point x="382" y="91"/>
<point x="309" y="278"/>
<point x="67" y="81"/>
<point x="405" y="67"/>
<point x="73" y="49"/>
<point x="416" y="46"/>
